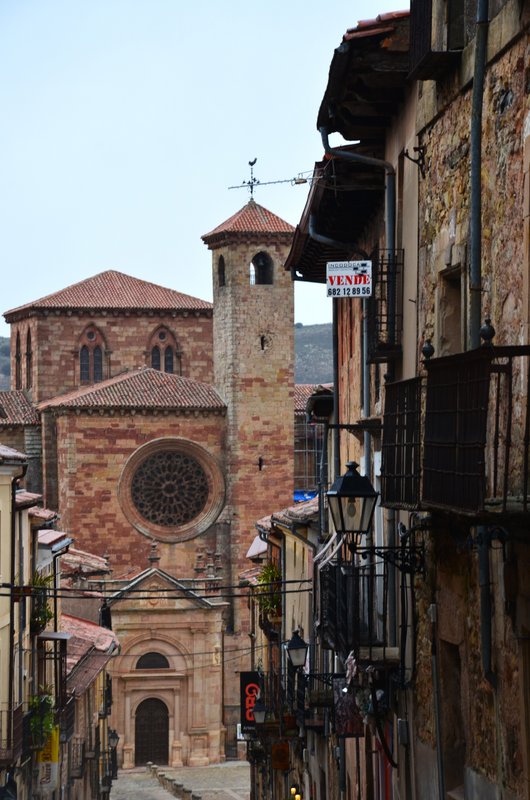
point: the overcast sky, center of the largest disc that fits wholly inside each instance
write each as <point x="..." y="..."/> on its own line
<point x="124" y="122"/>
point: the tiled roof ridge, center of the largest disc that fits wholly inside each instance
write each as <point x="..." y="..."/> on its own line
<point x="114" y="290"/>
<point x="16" y="409"/>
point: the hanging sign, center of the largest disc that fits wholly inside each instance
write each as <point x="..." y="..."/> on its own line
<point x="349" y="278"/>
<point x="250" y="689"/>
<point x="48" y="763"/>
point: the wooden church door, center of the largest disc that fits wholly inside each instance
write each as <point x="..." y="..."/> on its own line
<point x="152" y="733"/>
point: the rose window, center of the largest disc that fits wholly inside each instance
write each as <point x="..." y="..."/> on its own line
<point x="169" y="488"/>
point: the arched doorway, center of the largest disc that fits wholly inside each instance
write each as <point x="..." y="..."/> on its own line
<point x="152" y="733"/>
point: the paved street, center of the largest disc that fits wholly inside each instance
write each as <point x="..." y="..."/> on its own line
<point x="229" y="781"/>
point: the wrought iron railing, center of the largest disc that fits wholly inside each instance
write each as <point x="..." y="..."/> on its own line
<point x="67" y="720"/>
<point x="77" y="757"/>
<point x="384" y="307"/>
<point x="11" y="734"/>
<point x="401" y="453"/>
<point x="473" y="433"/>
<point x="477" y="432"/>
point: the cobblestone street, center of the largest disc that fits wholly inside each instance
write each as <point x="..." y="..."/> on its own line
<point x="229" y="781"/>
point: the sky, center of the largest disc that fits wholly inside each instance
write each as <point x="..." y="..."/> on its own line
<point x="125" y="122"/>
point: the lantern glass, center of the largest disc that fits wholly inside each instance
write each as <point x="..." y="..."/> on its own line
<point x="259" y="711"/>
<point x="297" y="650"/>
<point x="352" y="500"/>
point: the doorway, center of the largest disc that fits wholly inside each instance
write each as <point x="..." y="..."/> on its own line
<point x="152" y="733"/>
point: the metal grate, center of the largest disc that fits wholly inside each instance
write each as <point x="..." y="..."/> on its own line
<point x="11" y="728"/>
<point x="456" y="429"/>
<point x="384" y="307"/>
<point x="400" y="472"/>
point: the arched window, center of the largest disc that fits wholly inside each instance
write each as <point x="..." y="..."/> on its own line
<point x="261" y="269"/>
<point x="152" y="661"/>
<point x="84" y="364"/>
<point x="29" y="361"/>
<point x="168" y="359"/>
<point x="91" y="350"/>
<point x="164" y="352"/>
<point x="98" y="364"/>
<point x="221" y="276"/>
<point x="18" y="365"/>
<point x="155" y="357"/>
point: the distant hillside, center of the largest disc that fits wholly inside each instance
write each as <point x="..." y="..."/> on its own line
<point x="4" y="363"/>
<point x="313" y="359"/>
<point x="313" y="353"/>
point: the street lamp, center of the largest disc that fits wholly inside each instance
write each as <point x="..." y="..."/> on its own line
<point x="259" y="711"/>
<point x="352" y="500"/>
<point x="297" y="650"/>
<point x="113" y="739"/>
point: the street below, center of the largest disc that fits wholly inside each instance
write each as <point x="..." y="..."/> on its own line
<point x="228" y="781"/>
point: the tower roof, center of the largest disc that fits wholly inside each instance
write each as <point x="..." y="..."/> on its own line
<point x="250" y="222"/>
<point x="111" y="291"/>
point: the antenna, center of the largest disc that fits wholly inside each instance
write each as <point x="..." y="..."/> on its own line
<point x="302" y="177"/>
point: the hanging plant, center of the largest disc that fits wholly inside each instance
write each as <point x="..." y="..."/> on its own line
<point x="42" y="719"/>
<point x="269" y="589"/>
<point x="41" y="612"/>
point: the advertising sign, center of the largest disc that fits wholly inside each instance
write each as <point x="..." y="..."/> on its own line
<point x="250" y="689"/>
<point x="48" y="763"/>
<point x="349" y="278"/>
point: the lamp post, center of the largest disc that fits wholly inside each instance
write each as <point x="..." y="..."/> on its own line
<point x="113" y="739"/>
<point x="352" y="500"/>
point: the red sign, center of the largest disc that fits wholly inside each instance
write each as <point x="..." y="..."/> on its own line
<point x="250" y="689"/>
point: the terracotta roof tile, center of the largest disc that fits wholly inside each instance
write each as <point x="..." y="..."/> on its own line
<point x="79" y="562"/>
<point x="24" y="499"/>
<point x="17" y="410"/>
<point x="252" y="219"/>
<point x="302" y="393"/>
<point x="9" y="454"/>
<point x="143" y="388"/>
<point x="87" y="652"/>
<point x="372" y="27"/>
<point x="112" y="290"/>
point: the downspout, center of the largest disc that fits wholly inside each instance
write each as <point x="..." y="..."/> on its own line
<point x="433" y="614"/>
<point x="475" y="232"/>
<point x="483" y="541"/>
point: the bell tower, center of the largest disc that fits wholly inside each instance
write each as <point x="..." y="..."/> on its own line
<point x="254" y="370"/>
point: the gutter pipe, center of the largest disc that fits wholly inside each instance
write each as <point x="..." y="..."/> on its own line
<point x="475" y="230"/>
<point x="483" y="541"/>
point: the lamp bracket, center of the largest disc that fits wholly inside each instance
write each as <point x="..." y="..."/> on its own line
<point x="409" y="559"/>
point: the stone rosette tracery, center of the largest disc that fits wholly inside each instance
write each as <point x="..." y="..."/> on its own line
<point x="171" y="489"/>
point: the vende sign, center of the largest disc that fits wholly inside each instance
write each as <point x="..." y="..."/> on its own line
<point x="349" y="278"/>
<point x="250" y="689"/>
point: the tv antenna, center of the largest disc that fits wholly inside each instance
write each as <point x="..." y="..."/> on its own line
<point x="301" y="178"/>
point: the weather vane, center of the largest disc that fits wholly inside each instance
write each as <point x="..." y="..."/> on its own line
<point x="252" y="182"/>
<point x="301" y="178"/>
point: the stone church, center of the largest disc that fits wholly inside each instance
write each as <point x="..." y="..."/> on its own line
<point x="160" y="427"/>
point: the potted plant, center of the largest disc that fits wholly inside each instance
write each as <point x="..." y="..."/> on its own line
<point x="269" y="590"/>
<point x="41" y="612"/>
<point x="42" y="719"/>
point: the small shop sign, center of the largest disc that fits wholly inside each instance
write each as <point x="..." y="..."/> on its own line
<point x="349" y="278"/>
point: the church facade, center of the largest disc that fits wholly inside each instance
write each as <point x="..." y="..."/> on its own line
<point x="163" y="427"/>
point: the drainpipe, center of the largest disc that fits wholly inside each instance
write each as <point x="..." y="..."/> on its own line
<point x="475" y="231"/>
<point x="433" y="614"/>
<point x="483" y="541"/>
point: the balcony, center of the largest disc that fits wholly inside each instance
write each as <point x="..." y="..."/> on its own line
<point x="67" y="720"/>
<point x="401" y="445"/>
<point x="474" y="430"/>
<point x="354" y="609"/>
<point x="11" y="727"/>
<point x="76" y="760"/>
<point x="384" y="312"/>
<point x="477" y="433"/>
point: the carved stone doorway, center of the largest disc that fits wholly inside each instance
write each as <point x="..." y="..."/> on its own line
<point x="151" y="733"/>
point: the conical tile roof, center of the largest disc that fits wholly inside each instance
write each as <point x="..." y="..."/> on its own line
<point x="251" y="221"/>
